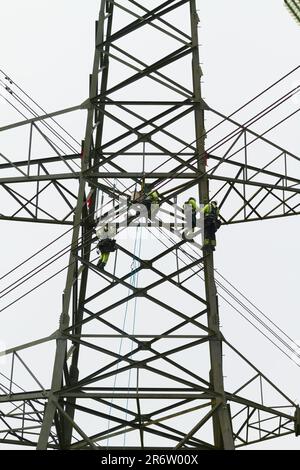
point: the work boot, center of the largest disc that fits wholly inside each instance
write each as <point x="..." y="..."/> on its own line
<point x="101" y="265"/>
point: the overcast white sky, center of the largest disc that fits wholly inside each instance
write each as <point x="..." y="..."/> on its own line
<point x="47" y="48"/>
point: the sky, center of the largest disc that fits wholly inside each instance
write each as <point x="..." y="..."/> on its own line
<point x="47" y="48"/>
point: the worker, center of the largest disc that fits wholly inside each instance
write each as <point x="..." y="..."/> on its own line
<point x="151" y="201"/>
<point x="211" y="224"/>
<point x="106" y="244"/>
<point x="192" y="205"/>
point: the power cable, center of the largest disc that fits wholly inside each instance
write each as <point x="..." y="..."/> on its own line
<point x="41" y="109"/>
<point x="129" y="187"/>
<point x="280" y="340"/>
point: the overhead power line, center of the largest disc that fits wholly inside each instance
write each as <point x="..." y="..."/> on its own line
<point x="63" y="251"/>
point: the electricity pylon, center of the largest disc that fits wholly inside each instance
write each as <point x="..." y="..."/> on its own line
<point x="159" y="381"/>
<point x="294" y="8"/>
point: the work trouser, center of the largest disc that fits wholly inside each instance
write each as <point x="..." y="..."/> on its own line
<point x="104" y="257"/>
<point x="194" y="219"/>
<point x="152" y="208"/>
<point x="209" y="233"/>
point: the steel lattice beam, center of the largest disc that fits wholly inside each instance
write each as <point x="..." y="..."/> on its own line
<point x="57" y="415"/>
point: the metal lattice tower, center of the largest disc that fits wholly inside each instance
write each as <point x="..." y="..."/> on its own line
<point x="157" y="381"/>
<point x="294" y="8"/>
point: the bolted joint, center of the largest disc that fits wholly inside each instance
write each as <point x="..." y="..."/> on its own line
<point x="64" y="318"/>
<point x="144" y="345"/>
<point x="140" y="292"/>
<point x="64" y="321"/>
<point x="217" y="336"/>
<point x="145" y="418"/>
<point x="146" y="264"/>
<point x="143" y="137"/>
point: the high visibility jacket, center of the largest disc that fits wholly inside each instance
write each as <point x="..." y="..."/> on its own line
<point x="211" y="209"/>
<point x="154" y="197"/>
<point x="107" y="245"/>
<point x="192" y="203"/>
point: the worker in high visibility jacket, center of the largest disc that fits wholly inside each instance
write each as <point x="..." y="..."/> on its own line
<point x="106" y="244"/>
<point x="191" y="202"/>
<point x="151" y="201"/>
<point x="211" y="224"/>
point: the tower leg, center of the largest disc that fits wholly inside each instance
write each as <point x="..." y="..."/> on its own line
<point x="223" y="436"/>
<point x="60" y="354"/>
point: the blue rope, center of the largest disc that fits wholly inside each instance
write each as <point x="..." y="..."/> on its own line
<point x="133" y="282"/>
<point x="133" y="326"/>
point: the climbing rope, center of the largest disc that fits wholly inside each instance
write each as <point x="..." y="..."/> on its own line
<point x="133" y="280"/>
